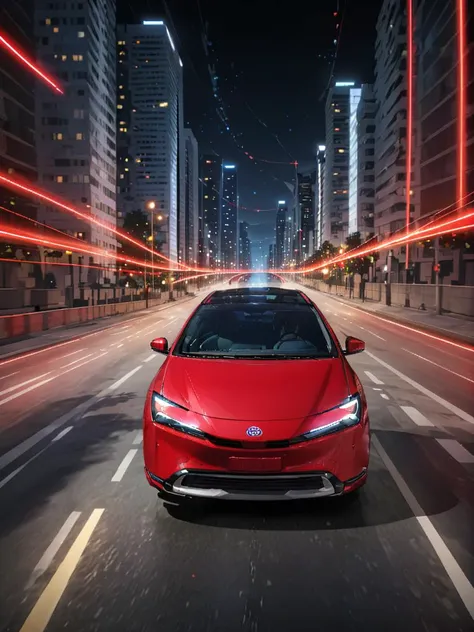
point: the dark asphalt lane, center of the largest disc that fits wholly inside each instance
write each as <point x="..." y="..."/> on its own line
<point x="85" y="544"/>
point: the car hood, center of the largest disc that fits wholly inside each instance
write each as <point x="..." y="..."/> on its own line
<point x="256" y="390"/>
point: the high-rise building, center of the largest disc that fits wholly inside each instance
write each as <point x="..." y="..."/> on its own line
<point x="271" y="256"/>
<point x="211" y="173"/>
<point x="361" y="162"/>
<point x="229" y="239"/>
<point x="319" y="196"/>
<point x="446" y="161"/>
<point x="306" y="206"/>
<point x="390" y="90"/>
<point x="336" y="192"/>
<point x="76" y="133"/>
<point x="280" y="234"/>
<point x="189" y="233"/>
<point x="149" y="107"/>
<point x="17" y="128"/>
<point x="245" y="257"/>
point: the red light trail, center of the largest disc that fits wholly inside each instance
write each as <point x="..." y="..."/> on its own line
<point x="462" y="74"/>
<point x="409" y="149"/>
<point x="19" y="55"/>
<point x="44" y="195"/>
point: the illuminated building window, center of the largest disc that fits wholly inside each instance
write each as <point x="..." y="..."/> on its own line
<point x="119" y="106"/>
<point x="63" y="57"/>
<point x="59" y="178"/>
<point x="77" y="58"/>
<point x="81" y="34"/>
<point x="337" y="110"/>
<point x="48" y="21"/>
<point x="163" y="104"/>
<point x="56" y="29"/>
<point x="79" y="136"/>
<point x="341" y="151"/>
<point x="57" y="136"/>
<point x="122" y="96"/>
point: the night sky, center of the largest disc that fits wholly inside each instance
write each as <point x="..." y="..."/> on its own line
<point x="273" y="62"/>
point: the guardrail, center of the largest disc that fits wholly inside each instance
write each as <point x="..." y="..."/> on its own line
<point x="18" y="325"/>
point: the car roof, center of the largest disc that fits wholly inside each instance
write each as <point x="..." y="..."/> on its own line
<point x="256" y="295"/>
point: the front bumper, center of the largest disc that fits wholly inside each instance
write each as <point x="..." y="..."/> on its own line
<point x="229" y="486"/>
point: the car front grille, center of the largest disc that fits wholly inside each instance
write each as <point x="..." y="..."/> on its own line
<point x="249" y="484"/>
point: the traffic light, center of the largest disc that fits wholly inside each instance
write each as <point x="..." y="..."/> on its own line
<point x="436" y="268"/>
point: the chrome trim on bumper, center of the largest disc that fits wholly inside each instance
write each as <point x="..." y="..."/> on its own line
<point x="329" y="488"/>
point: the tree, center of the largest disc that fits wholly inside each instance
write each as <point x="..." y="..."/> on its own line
<point x="358" y="265"/>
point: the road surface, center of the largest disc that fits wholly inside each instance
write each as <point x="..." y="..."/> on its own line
<point x="85" y="544"/>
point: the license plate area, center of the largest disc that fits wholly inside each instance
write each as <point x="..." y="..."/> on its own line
<point x="252" y="465"/>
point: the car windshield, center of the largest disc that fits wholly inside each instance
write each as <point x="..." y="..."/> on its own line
<point x="257" y="330"/>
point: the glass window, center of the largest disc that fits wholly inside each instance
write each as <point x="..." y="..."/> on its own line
<point x="271" y="326"/>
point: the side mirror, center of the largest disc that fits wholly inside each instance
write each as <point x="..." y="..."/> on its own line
<point x="160" y="345"/>
<point x="354" y="345"/>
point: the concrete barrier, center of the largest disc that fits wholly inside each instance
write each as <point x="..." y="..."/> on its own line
<point x="17" y="325"/>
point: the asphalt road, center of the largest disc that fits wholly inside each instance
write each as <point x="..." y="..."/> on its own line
<point x="85" y="544"/>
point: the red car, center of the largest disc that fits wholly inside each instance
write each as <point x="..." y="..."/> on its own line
<point x="256" y="400"/>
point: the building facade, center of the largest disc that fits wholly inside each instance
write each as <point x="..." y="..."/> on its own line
<point x="336" y="190"/>
<point x="281" y="217"/>
<point x="319" y="224"/>
<point x="77" y="133"/>
<point x="229" y="233"/>
<point x="444" y="185"/>
<point x="361" y="162"/>
<point x="390" y="90"/>
<point x="245" y="256"/>
<point x="151" y="156"/>
<point x="211" y="173"/>
<point x="17" y="130"/>
<point x="189" y="227"/>
<point x="306" y="206"/>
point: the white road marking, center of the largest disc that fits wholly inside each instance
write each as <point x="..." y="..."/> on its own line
<point x="384" y="396"/>
<point x="123" y="379"/>
<point x="50" y="553"/>
<point x="461" y="583"/>
<point x="25" y="390"/>
<point x="4" y="377"/>
<point x="139" y="438"/>
<point x="150" y="358"/>
<point x="416" y="416"/>
<point x="373" y="377"/>
<point x="376" y="389"/>
<point x="122" y="468"/>
<point x="371" y="332"/>
<point x="42" y="611"/>
<point x="14" y="388"/>
<point x="118" y="346"/>
<point x="68" y="355"/>
<point x="456" y="450"/>
<point x="440" y="366"/>
<point x="76" y="361"/>
<point x="62" y="434"/>
<point x="172" y="320"/>
<point x="436" y="398"/>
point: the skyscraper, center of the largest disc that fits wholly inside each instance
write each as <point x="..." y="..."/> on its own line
<point x="280" y="233"/>
<point x="211" y="173"/>
<point x="319" y="202"/>
<point x="245" y="258"/>
<point x="361" y="161"/>
<point x="76" y="133"/>
<point x="390" y="90"/>
<point x="150" y="128"/>
<point x="305" y="242"/>
<point x="229" y="240"/>
<point x="444" y="152"/>
<point x="336" y="192"/>
<point x="189" y="233"/>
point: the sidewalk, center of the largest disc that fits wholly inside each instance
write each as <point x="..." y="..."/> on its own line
<point x="41" y="340"/>
<point x="459" y="329"/>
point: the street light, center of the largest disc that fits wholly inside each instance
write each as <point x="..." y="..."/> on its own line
<point x="151" y="207"/>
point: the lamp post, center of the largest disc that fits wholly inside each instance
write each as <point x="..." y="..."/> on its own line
<point x="151" y="207"/>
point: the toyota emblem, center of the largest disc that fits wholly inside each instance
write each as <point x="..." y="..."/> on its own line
<point x="254" y="431"/>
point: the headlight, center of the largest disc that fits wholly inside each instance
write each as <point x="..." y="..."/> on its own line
<point x="162" y="414"/>
<point x="339" y="418"/>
